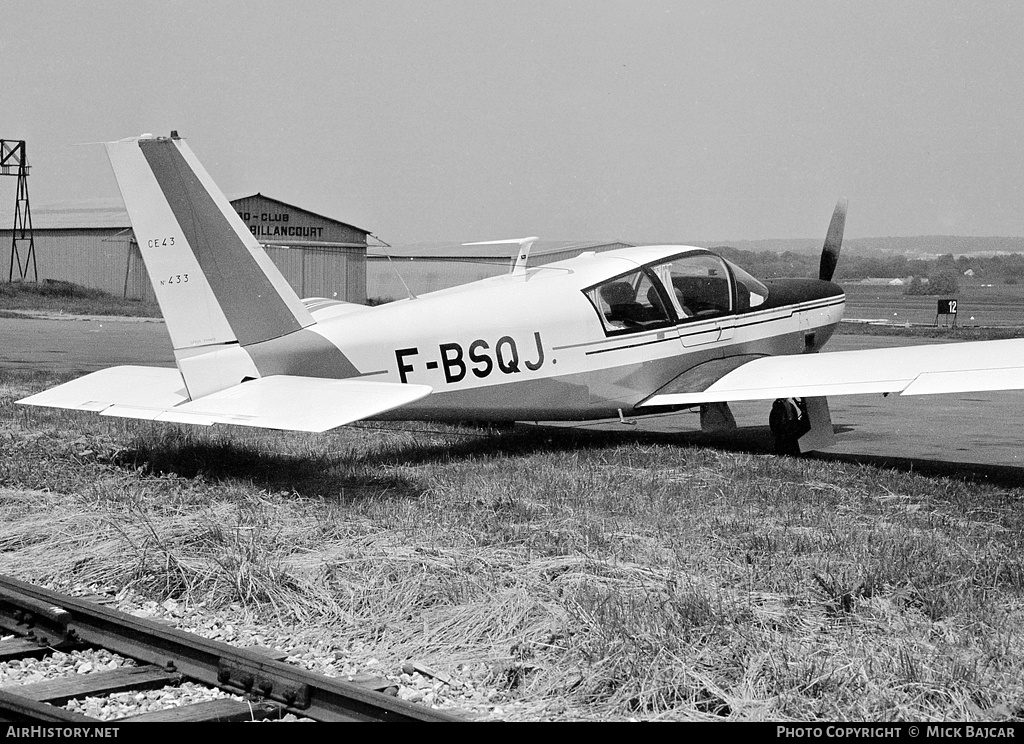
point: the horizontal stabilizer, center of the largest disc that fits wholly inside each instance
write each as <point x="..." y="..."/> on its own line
<point x="154" y="387"/>
<point x="908" y="370"/>
<point x="277" y="402"/>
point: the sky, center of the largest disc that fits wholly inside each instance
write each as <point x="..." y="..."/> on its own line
<point x="460" y="120"/>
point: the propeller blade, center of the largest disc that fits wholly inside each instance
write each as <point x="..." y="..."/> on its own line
<point x="833" y="242"/>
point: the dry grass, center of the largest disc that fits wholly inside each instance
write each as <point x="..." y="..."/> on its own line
<point x="605" y="576"/>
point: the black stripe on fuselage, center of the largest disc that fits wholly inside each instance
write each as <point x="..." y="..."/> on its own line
<point x="641" y="343"/>
<point x="250" y="302"/>
<point x="793" y="309"/>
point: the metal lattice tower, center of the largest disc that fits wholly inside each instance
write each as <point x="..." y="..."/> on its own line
<point x="13" y="162"/>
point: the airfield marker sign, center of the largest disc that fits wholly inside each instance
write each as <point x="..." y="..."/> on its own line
<point x="946" y="308"/>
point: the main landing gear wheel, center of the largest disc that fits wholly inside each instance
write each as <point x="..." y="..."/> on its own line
<point x="788" y="422"/>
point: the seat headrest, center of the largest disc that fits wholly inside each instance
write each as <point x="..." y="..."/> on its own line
<point x="617" y="293"/>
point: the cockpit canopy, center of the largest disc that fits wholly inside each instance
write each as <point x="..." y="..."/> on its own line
<point x="687" y="287"/>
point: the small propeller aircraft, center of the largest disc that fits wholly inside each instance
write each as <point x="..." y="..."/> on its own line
<point x="634" y="331"/>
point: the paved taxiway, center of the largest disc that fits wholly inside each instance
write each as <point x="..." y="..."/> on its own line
<point x="84" y="345"/>
<point x="978" y="428"/>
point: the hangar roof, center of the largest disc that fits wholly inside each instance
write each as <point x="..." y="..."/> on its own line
<point x="110" y="214"/>
<point x="95" y="213"/>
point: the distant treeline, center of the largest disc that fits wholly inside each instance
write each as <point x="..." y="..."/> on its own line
<point x="1001" y="269"/>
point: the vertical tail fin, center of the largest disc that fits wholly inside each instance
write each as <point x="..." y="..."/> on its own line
<point x="219" y="293"/>
<point x="214" y="282"/>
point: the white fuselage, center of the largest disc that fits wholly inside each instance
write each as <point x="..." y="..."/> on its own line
<point x="534" y="347"/>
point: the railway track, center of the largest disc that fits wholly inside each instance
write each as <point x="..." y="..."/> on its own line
<point x="45" y="622"/>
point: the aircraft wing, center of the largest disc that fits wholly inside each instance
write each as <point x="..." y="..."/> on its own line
<point x="276" y="402"/>
<point x="907" y="370"/>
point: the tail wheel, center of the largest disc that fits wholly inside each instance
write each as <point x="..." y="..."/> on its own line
<point x="788" y="422"/>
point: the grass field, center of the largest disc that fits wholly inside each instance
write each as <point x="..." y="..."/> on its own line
<point x="587" y="576"/>
<point x="65" y="297"/>
<point x="999" y="305"/>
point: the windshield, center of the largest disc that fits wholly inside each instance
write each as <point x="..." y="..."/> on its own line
<point x="698" y="285"/>
<point x="750" y="291"/>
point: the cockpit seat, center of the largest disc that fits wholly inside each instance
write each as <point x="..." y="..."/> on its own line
<point x="622" y="304"/>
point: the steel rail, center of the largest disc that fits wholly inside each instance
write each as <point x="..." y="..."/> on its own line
<point x="61" y="621"/>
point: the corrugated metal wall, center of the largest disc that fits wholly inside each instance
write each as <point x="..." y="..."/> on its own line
<point x="314" y="271"/>
<point x="92" y="258"/>
<point x="137" y="285"/>
<point x="110" y="260"/>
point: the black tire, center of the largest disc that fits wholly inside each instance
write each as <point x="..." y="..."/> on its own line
<point x="788" y="423"/>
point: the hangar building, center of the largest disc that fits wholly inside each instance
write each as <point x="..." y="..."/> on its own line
<point x="94" y="246"/>
<point x="426" y="267"/>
